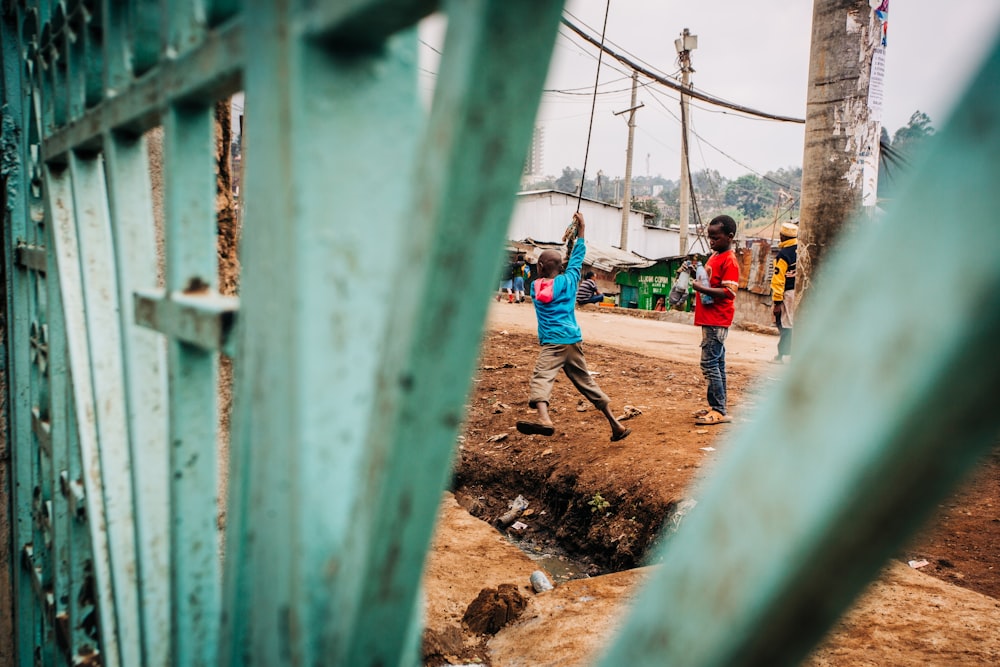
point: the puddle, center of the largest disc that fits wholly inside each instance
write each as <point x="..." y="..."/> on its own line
<point x="561" y="568"/>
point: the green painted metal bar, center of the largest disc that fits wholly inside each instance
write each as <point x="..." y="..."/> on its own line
<point x="470" y="165"/>
<point x="144" y="21"/>
<point x="91" y="33"/>
<point x="15" y="171"/>
<point x="72" y="540"/>
<point x="64" y="244"/>
<point x="289" y="549"/>
<point x="145" y="353"/>
<point x="212" y="71"/>
<point x="190" y="239"/>
<point x="30" y="256"/>
<point x="219" y="11"/>
<point x="117" y="52"/>
<point x="875" y="428"/>
<point x="100" y="292"/>
<point x="362" y="24"/>
<point x="184" y="26"/>
<point x="43" y="556"/>
<point x="202" y="320"/>
<point x="72" y="47"/>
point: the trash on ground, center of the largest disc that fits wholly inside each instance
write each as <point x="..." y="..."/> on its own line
<point x="630" y="412"/>
<point x="497" y="438"/>
<point x="917" y="564"/>
<point x="540" y="582"/>
<point x="682" y="508"/>
<point x="517" y="506"/>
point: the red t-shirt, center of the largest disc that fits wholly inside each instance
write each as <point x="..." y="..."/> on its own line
<point x="723" y="272"/>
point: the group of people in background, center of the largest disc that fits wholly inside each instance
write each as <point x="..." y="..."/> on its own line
<point x="556" y="293"/>
<point x="512" y="280"/>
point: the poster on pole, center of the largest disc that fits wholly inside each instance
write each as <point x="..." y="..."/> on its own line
<point x="876" y="82"/>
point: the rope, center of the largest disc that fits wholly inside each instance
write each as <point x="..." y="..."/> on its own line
<point x="570" y="236"/>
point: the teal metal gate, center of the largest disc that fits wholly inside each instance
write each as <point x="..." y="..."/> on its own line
<point x="351" y="373"/>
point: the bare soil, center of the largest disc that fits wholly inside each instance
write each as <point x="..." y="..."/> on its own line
<point x="597" y="507"/>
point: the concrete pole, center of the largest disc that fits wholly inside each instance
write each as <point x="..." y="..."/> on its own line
<point x="843" y="123"/>
<point x="684" y="55"/>
<point x="627" y="194"/>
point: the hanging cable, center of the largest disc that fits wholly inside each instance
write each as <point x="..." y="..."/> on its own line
<point x="569" y="236"/>
<point x="593" y="104"/>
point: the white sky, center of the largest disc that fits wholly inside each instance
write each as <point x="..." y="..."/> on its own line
<point x="751" y="52"/>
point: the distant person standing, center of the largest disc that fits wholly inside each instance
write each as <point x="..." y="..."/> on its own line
<point x="518" y="270"/>
<point x="587" y="292"/>
<point x="783" y="288"/>
<point x="507" y="282"/>
<point x="716" y="317"/>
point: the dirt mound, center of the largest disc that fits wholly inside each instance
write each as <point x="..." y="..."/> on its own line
<point x="494" y="608"/>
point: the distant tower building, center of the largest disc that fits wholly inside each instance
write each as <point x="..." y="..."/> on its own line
<point x="533" y="162"/>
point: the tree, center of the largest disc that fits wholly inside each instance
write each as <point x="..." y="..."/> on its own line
<point x="750" y="194"/>
<point x="648" y="205"/>
<point x="910" y="136"/>
<point x="894" y="152"/>
<point x="569" y="181"/>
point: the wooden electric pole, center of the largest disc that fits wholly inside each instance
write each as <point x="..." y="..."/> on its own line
<point x="843" y="123"/>
<point x="627" y="194"/>
<point x="684" y="45"/>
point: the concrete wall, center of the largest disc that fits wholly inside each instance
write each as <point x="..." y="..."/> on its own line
<point x="753" y="309"/>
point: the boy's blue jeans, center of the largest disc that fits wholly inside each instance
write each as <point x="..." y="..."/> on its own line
<point x="713" y="365"/>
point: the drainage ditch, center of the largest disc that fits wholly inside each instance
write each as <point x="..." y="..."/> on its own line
<point x="570" y="532"/>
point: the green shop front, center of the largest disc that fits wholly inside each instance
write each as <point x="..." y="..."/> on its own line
<point x="642" y="287"/>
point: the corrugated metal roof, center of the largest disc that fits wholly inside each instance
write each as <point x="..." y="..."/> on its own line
<point x="550" y="191"/>
<point x="604" y="258"/>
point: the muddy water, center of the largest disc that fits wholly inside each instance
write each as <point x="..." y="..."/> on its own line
<point x="560" y="567"/>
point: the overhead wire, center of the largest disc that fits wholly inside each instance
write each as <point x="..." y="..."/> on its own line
<point x="711" y="99"/>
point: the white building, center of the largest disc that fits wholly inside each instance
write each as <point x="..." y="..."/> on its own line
<point x="542" y="215"/>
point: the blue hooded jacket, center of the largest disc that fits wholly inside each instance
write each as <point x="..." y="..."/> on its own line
<point x="557" y="318"/>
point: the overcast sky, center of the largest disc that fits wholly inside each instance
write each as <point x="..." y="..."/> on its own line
<point x="751" y="52"/>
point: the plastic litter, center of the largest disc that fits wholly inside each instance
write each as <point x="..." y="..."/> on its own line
<point x="540" y="582"/>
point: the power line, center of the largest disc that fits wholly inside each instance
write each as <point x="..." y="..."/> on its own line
<point x="622" y="49"/>
<point x="700" y="138"/>
<point x="711" y="99"/>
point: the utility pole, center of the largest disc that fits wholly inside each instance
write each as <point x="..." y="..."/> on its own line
<point x="684" y="45"/>
<point x="627" y="193"/>
<point x="843" y="123"/>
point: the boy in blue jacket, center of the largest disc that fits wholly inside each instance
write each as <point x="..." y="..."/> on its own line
<point x="554" y="296"/>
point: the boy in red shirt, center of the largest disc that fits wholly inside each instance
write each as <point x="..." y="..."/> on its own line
<point x="716" y="317"/>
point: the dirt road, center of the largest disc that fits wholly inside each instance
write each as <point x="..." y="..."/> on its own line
<point x="599" y="506"/>
<point x="665" y="340"/>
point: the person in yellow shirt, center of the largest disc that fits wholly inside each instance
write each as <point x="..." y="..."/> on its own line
<point x="783" y="288"/>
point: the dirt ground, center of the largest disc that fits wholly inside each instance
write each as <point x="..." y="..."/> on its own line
<point x="596" y="508"/>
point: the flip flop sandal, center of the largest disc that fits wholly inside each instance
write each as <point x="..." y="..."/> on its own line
<point x="531" y="428"/>
<point x="621" y="436"/>
<point x="700" y="413"/>
<point x="713" y="418"/>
